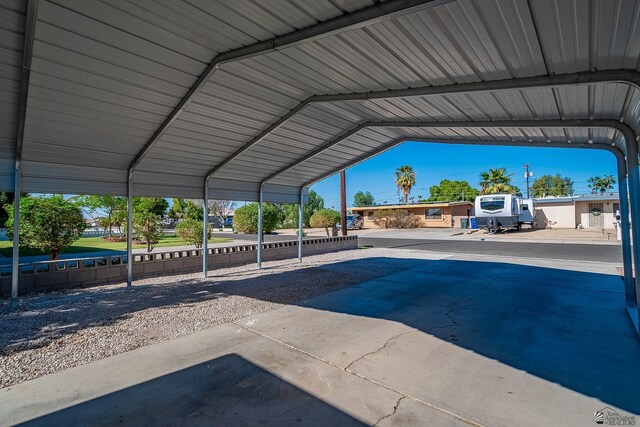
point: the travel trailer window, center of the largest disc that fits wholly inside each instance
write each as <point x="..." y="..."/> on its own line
<point x="433" y="213"/>
<point x="492" y="204"/>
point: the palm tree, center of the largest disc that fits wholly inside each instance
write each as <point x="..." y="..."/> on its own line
<point x="405" y="179"/>
<point x="607" y="183"/>
<point x="601" y="185"/>
<point x="496" y="181"/>
<point x="594" y="183"/>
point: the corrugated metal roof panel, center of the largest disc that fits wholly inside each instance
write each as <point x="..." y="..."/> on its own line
<point x="106" y="75"/>
<point x="11" y="40"/>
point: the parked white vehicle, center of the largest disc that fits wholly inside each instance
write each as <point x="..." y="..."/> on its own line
<point x="503" y="211"/>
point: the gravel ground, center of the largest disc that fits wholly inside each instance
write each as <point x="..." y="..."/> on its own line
<point x="56" y="331"/>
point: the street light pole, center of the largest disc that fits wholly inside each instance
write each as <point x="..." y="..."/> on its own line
<point x="343" y="203"/>
<point x="527" y="174"/>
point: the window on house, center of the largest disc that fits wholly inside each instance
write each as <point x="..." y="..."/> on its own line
<point x="370" y="216"/>
<point x="433" y="213"/>
<point x="616" y="207"/>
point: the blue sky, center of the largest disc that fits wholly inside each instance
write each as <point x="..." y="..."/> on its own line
<point x="434" y="162"/>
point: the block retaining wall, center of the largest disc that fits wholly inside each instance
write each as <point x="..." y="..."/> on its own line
<point x="70" y="273"/>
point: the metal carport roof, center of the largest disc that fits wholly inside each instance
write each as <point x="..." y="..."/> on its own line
<point x="246" y="90"/>
<point x="250" y="100"/>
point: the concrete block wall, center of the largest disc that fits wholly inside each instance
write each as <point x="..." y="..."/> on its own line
<point x="69" y="273"/>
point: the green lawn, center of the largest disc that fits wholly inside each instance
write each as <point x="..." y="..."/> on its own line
<point x="94" y="244"/>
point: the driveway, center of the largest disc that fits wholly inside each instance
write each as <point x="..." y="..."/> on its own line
<point x="438" y="340"/>
<point x="568" y="251"/>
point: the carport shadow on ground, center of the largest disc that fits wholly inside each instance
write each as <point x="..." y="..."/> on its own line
<point x="562" y="326"/>
<point x="229" y="389"/>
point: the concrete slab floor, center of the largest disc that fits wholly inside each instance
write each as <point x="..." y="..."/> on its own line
<point x="458" y="341"/>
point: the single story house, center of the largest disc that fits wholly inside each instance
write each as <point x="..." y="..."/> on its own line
<point x="589" y="211"/>
<point x="432" y="214"/>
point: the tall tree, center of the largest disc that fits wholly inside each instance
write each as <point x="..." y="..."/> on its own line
<point x="185" y="209"/>
<point x="405" y="180"/>
<point x="104" y="205"/>
<point x="594" y="183"/>
<point x="147" y="227"/>
<point x="315" y="202"/>
<point x="288" y="212"/>
<point x="452" y="191"/>
<point x="601" y="184"/>
<point x="497" y="180"/>
<point x="6" y="199"/>
<point x="219" y="209"/>
<point x="363" y="199"/>
<point x="156" y="205"/>
<point x="552" y="185"/>
<point x="48" y="223"/>
<point x="607" y="183"/>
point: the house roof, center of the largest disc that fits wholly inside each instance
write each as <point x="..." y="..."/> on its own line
<point x="587" y="197"/>
<point x="412" y="206"/>
<point x="240" y="95"/>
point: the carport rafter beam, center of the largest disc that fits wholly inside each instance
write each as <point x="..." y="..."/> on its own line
<point x="629" y="77"/>
<point x="625" y="129"/>
<point x="362" y="17"/>
<point x="398" y="141"/>
<point x="451" y="124"/>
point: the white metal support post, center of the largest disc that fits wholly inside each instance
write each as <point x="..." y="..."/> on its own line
<point x="260" y="229"/>
<point x="634" y="201"/>
<point x="15" y="273"/>
<point x="300" y="223"/>
<point x="25" y="76"/>
<point x="629" y="286"/>
<point x="130" y="230"/>
<point x="205" y="229"/>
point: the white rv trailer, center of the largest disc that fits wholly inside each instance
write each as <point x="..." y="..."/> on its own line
<point x="503" y="211"/>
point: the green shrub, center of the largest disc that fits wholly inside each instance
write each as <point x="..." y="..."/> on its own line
<point x="383" y="218"/>
<point x="404" y="219"/>
<point x="325" y="218"/>
<point x="48" y="223"/>
<point x="190" y="230"/>
<point x="245" y="218"/>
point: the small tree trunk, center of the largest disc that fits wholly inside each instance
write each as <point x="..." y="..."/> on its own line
<point x="326" y="229"/>
<point x="54" y="255"/>
<point x="149" y="246"/>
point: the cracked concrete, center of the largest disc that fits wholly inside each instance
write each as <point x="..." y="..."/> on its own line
<point x="375" y="351"/>
<point x="395" y="409"/>
<point x="447" y="342"/>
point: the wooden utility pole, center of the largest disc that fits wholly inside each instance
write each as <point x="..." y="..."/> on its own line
<point x="343" y="204"/>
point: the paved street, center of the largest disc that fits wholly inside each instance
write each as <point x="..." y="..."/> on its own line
<point x="568" y="251"/>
